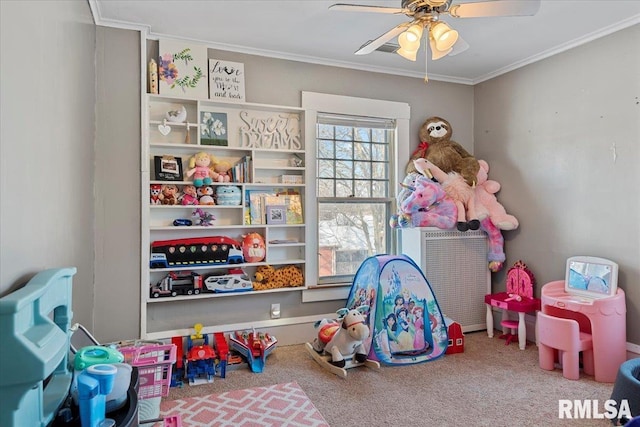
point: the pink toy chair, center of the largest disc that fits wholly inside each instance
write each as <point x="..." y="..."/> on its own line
<point x="563" y="335"/>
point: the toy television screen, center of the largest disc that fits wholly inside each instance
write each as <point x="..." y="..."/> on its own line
<point x="591" y="277"/>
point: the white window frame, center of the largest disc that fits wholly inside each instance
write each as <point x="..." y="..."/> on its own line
<point x="312" y="103"/>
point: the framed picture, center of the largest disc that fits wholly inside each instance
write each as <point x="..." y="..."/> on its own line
<point x="213" y="128"/>
<point x="226" y="80"/>
<point x="167" y="168"/>
<point x="182" y="69"/>
<point x="276" y="214"/>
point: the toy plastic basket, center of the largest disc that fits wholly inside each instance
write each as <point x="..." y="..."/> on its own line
<point x="154" y="362"/>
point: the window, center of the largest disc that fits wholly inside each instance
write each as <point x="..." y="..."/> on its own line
<point x="353" y="181"/>
<point x="357" y="145"/>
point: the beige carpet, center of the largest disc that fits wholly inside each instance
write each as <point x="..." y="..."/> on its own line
<point x="490" y="384"/>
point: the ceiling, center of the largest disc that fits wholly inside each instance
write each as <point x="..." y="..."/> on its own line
<point x="306" y="30"/>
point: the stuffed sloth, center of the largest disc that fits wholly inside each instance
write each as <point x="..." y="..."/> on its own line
<point x="437" y="147"/>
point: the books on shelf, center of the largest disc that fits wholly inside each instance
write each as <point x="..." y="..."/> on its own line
<point x="258" y="200"/>
<point x="241" y="171"/>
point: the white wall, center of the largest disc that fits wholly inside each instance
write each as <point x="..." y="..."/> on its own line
<point x="47" y="76"/>
<point x="547" y="131"/>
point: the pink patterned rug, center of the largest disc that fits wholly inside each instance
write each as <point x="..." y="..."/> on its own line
<point x="277" y="405"/>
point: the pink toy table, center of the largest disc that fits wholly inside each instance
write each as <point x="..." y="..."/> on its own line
<point x="505" y="301"/>
<point x="603" y="318"/>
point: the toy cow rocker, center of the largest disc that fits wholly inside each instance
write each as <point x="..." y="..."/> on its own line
<point x="344" y="337"/>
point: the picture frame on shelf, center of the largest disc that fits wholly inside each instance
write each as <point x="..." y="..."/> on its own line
<point x="167" y="168"/>
<point x="226" y="80"/>
<point x="213" y="128"/>
<point x="182" y="69"/>
<point x="276" y="214"/>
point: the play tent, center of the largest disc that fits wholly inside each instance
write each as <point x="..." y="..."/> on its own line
<point x="405" y="320"/>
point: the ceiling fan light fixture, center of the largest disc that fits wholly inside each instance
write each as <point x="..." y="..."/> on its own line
<point x="414" y="33"/>
<point x="436" y="53"/>
<point x="443" y="36"/>
<point x="407" y="54"/>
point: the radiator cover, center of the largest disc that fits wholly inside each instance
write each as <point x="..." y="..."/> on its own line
<point x="456" y="266"/>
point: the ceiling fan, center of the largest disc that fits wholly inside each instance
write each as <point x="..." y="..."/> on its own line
<point x="426" y="15"/>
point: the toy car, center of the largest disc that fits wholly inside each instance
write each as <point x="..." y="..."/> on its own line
<point x="182" y="222"/>
<point x="178" y="282"/>
<point x="235" y="281"/>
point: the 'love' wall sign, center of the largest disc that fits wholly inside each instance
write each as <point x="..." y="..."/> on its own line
<point x="226" y="80"/>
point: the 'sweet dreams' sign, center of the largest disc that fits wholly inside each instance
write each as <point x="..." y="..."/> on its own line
<point x="226" y="80"/>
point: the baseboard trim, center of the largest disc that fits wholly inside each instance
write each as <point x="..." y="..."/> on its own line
<point x="288" y="331"/>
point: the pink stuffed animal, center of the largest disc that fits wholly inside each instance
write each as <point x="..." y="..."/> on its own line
<point x="457" y="189"/>
<point x="487" y="204"/>
<point x="425" y="205"/>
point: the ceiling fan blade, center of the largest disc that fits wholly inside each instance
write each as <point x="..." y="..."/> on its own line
<point x="495" y="8"/>
<point x="459" y="47"/>
<point x="362" y="8"/>
<point x="372" y="45"/>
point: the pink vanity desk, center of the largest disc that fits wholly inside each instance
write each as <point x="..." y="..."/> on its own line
<point x="603" y="318"/>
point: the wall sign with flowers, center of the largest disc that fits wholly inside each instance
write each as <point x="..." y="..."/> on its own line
<point x="213" y="128"/>
<point x="182" y="69"/>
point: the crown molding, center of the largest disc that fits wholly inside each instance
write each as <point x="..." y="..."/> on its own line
<point x="633" y="20"/>
<point x="145" y="29"/>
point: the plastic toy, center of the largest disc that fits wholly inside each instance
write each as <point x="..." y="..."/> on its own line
<point x="170" y="194"/>
<point x="177" y="282"/>
<point x="182" y="222"/>
<point x="487" y="203"/>
<point x="221" y="170"/>
<point x="189" y="195"/>
<point x="200" y="169"/>
<point x="339" y="344"/>
<point x="253" y="247"/>
<point x="235" y="281"/>
<point x="267" y="277"/>
<point x="457" y="189"/>
<point x="96" y="355"/>
<point x="94" y="384"/>
<point x="254" y="346"/>
<point x="205" y="195"/>
<point x="203" y="218"/>
<point x="200" y="358"/>
<point x="196" y="251"/>
<point x="155" y="191"/>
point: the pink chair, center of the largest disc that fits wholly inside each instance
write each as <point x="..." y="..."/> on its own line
<point x="563" y="335"/>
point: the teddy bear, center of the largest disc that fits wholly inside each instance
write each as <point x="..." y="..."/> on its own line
<point x="437" y="147"/>
<point x="200" y="169"/>
<point x="170" y="194"/>
<point x="487" y="204"/>
<point x="189" y="195"/>
<point x="457" y="189"/>
<point x="267" y="277"/>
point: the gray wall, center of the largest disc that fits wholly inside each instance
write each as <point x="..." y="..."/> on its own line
<point x="275" y="81"/>
<point x="47" y="76"/>
<point x="547" y="131"/>
<point x="576" y="104"/>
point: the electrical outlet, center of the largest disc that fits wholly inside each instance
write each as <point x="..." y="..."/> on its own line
<point x="275" y="311"/>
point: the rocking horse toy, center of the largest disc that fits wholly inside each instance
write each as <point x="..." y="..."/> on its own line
<point x="339" y="344"/>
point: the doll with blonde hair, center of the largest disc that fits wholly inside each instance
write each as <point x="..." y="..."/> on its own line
<point x="200" y="169"/>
